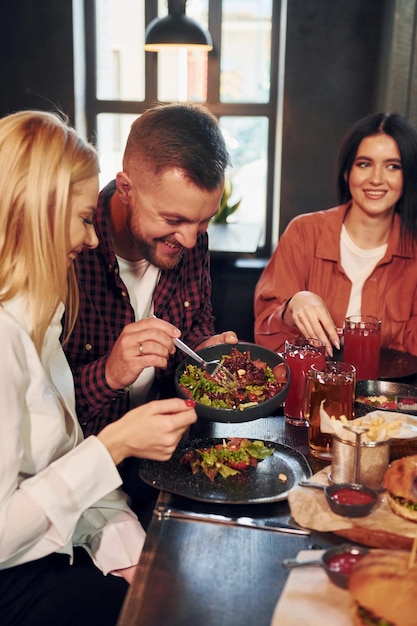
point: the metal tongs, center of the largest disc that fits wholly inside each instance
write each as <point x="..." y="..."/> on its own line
<point x="217" y="371"/>
<point x="358" y="431"/>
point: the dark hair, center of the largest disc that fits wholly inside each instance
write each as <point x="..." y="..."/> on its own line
<point x="399" y="128"/>
<point x="185" y="136"/>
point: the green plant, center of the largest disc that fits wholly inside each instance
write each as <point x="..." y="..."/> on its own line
<point x="226" y="209"/>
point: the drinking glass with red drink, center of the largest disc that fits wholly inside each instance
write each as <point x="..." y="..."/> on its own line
<point x="300" y="355"/>
<point x="362" y="344"/>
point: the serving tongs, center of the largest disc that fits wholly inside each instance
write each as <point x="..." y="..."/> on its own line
<point x="215" y="369"/>
<point x="358" y="431"/>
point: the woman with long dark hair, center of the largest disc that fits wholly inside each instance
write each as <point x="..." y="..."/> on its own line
<point x="358" y="258"/>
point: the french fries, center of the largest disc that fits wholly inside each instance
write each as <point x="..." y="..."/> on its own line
<point x="379" y="429"/>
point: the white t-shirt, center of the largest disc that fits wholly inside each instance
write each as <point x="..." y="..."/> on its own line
<point x="140" y="278"/>
<point x="358" y="265"/>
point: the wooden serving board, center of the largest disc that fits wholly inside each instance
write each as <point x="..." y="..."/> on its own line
<point x="382" y="538"/>
<point x="376" y="538"/>
<point x="381" y="529"/>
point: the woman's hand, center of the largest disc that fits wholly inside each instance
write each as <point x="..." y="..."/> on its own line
<point x="308" y="312"/>
<point x="151" y="431"/>
<point x="127" y="573"/>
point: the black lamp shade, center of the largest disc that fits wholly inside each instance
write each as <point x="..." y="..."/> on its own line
<point x="176" y="30"/>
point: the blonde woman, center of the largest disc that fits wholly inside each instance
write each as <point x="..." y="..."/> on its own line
<point x="58" y="492"/>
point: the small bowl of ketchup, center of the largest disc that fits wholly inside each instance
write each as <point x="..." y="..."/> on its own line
<point x="339" y="561"/>
<point x="351" y="499"/>
<point x="336" y="562"/>
<point x="347" y="499"/>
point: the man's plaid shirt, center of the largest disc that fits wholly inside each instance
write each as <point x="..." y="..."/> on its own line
<point x="182" y="297"/>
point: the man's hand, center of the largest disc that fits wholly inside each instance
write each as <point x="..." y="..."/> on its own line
<point x="147" y="343"/>
<point x="308" y="312"/>
<point x="229" y="336"/>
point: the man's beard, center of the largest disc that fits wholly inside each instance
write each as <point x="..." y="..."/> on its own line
<point x="149" y="251"/>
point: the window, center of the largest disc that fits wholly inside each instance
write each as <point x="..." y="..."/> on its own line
<point x="238" y="81"/>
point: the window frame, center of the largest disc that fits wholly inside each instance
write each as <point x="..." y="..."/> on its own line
<point x="269" y="109"/>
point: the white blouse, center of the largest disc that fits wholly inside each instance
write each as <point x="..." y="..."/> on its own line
<point x="57" y="489"/>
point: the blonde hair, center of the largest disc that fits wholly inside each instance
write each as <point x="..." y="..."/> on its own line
<point x="41" y="158"/>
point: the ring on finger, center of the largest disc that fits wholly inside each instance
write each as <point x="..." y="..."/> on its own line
<point x="140" y="349"/>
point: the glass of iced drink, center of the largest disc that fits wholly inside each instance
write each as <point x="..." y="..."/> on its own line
<point x="300" y="355"/>
<point x="362" y="344"/>
<point x="333" y="388"/>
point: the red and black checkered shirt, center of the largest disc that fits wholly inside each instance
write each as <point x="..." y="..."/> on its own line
<point x="182" y="297"/>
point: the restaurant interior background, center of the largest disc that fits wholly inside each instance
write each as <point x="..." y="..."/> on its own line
<point x="328" y="63"/>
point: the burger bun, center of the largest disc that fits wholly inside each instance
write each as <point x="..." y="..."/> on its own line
<point x="385" y="585"/>
<point x="398" y="481"/>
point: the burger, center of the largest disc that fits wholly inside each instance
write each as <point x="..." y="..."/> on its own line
<point x="399" y="481"/>
<point x="383" y="585"/>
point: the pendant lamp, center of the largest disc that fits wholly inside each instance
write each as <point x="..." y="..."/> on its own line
<point x="176" y="30"/>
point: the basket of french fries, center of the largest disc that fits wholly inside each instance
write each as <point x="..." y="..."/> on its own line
<point x="377" y="429"/>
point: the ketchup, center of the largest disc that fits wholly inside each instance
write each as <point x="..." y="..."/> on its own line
<point x="351" y="496"/>
<point x="344" y="562"/>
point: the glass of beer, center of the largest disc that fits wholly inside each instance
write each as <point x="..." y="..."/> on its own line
<point x="300" y="355"/>
<point x="333" y="388"/>
<point x="362" y="344"/>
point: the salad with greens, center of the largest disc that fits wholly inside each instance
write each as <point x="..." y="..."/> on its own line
<point x="255" y="382"/>
<point x="227" y="458"/>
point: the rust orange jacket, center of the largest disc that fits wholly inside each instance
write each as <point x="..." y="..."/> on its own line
<point x="307" y="257"/>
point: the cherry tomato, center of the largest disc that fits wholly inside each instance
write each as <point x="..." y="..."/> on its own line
<point x="238" y="465"/>
<point x="187" y="392"/>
